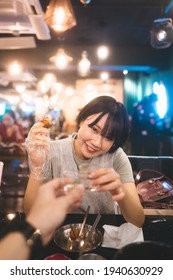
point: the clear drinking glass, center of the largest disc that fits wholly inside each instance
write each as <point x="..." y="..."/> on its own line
<point x="84" y="173"/>
<point x="80" y="177"/>
<point x="74" y="175"/>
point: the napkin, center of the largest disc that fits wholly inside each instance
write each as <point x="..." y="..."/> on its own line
<point x="118" y="237"/>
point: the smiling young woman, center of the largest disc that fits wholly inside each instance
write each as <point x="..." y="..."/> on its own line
<point x="102" y="129"/>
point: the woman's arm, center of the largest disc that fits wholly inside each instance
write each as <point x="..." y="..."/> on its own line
<point x="31" y="192"/>
<point x="130" y="205"/>
<point x="107" y="179"/>
<point x="37" y="147"/>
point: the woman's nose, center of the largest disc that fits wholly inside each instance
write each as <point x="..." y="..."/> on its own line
<point x="97" y="140"/>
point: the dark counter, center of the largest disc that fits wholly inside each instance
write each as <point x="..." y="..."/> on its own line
<point x="155" y="229"/>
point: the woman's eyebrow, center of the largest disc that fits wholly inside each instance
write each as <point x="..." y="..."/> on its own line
<point x="96" y="125"/>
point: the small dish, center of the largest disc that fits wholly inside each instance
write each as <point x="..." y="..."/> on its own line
<point x="57" y="256"/>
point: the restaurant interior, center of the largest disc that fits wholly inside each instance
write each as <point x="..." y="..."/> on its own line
<point x="120" y="48"/>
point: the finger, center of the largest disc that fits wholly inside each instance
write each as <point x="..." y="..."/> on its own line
<point x="102" y="171"/>
<point x="40" y="129"/>
<point x="38" y="133"/>
<point x="37" y="127"/>
<point x="103" y="180"/>
<point x="37" y="146"/>
<point x="38" y="142"/>
<point x="97" y="173"/>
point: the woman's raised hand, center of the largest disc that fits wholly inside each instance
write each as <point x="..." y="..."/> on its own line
<point x="37" y="147"/>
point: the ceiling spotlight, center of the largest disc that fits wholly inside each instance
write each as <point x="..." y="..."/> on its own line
<point x="85" y="2"/>
<point x="162" y="33"/>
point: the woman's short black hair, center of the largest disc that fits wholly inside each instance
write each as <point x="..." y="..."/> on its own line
<point x="117" y="124"/>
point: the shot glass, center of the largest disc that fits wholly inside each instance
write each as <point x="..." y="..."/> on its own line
<point x="74" y="175"/>
<point x="84" y="175"/>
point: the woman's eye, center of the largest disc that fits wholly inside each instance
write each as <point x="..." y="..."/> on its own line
<point x="107" y="138"/>
<point x="94" y="129"/>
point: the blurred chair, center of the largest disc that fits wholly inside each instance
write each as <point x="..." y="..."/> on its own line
<point x="163" y="164"/>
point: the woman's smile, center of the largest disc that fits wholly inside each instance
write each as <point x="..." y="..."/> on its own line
<point x="90" y="148"/>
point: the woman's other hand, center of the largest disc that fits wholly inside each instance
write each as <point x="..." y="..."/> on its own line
<point x="107" y="179"/>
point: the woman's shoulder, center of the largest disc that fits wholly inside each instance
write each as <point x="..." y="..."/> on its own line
<point x="120" y="153"/>
<point x="120" y="158"/>
<point x="122" y="165"/>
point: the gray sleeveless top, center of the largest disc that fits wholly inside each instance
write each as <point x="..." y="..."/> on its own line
<point x="62" y="158"/>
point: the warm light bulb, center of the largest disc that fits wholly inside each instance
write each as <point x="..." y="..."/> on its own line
<point x="102" y="52"/>
<point x="61" y="59"/>
<point x="15" y="68"/>
<point x="60" y="16"/>
<point x="20" y="88"/>
<point x="104" y="76"/>
<point x="84" y="65"/>
<point x="58" y="20"/>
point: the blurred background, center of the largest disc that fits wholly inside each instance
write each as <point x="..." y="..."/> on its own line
<point x="58" y="55"/>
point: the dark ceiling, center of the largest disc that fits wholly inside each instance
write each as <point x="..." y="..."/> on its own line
<point x="124" y="25"/>
<point x="116" y="22"/>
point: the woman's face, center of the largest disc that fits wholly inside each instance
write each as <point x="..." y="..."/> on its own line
<point x="8" y="120"/>
<point x="90" y="143"/>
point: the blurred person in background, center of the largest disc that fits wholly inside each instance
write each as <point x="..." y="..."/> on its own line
<point x="11" y="134"/>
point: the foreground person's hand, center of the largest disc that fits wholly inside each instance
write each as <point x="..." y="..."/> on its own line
<point x="52" y="204"/>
